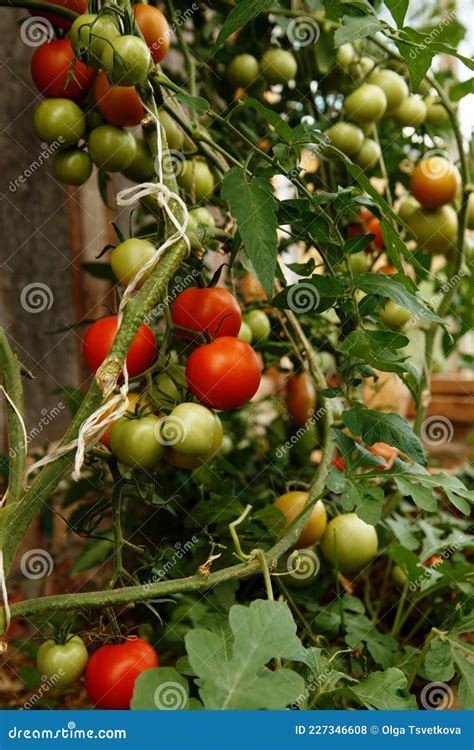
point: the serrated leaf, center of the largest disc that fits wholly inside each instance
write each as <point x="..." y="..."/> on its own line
<point x="382" y="647"/>
<point x="385" y="286"/>
<point x="384" y="691"/>
<point x="439" y="665"/>
<point x="243" y="12"/>
<point x="452" y="486"/>
<point x="241" y="680"/>
<point x="466" y="683"/>
<point x="313" y="295"/>
<point x="379" y="427"/>
<point x="353" y="27"/>
<point x="252" y="203"/>
<point x="160" y="689"/>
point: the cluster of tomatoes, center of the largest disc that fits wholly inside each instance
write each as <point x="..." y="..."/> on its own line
<point x="110" y="672"/>
<point x="89" y="80"/>
<point x="222" y="372"/>
<point x="277" y="66"/>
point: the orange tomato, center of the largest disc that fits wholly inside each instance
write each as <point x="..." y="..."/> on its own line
<point x="155" y="29"/>
<point x="291" y="505"/>
<point x="388" y="269"/>
<point x="250" y="289"/>
<point x="120" y="105"/>
<point x="300" y="398"/>
<point x="382" y="450"/>
<point x="435" y="182"/>
<point x="367" y="223"/>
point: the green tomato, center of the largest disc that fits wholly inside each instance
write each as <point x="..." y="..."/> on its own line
<point x="436" y="113"/>
<point x="394" y="316"/>
<point x="259" y="324"/>
<point x="435" y="230"/>
<point x="174" y="134"/>
<point x="411" y="112"/>
<point x="190" y="429"/>
<point x="72" y="166"/>
<point x="368" y="155"/>
<point x="137" y="442"/>
<point x="167" y="386"/>
<point x="349" y="542"/>
<point x="127" y="258"/>
<point x="245" y="332"/>
<point x="358" y="263"/>
<point x="196" y="179"/>
<point x="142" y="166"/>
<point x="278" y="65"/>
<point x="93" y="33"/>
<point x="59" y="120"/>
<point x="126" y="60"/>
<point x="199" y="216"/>
<point x="62" y="664"/>
<point x="366" y="104"/>
<point x="188" y="461"/>
<point x="362" y="67"/>
<point x="394" y="87"/>
<point x="347" y="137"/>
<point x="243" y="70"/>
<point x="345" y="56"/>
<point x="111" y="148"/>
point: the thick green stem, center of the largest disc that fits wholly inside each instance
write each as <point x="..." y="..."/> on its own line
<point x="57" y="10"/>
<point x="10" y="370"/>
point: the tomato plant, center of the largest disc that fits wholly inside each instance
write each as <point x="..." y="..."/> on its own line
<point x="155" y="29"/>
<point x="59" y="121"/>
<point x="119" y="105"/>
<point x="349" y="543"/>
<point x="291" y="505"/>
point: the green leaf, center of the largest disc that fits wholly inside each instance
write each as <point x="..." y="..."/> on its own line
<point x="407" y="560"/>
<point x="197" y="103"/>
<point x="384" y="691"/>
<point x="466" y="683"/>
<point x="252" y="203"/>
<point x="398" y="9"/>
<point x="353" y="28"/>
<point x="243" y="12"/>
<point x="458" y="90"/>
<point x="439" y="665"/>
<point x="382" y="647"/>
<point x="410" y="478"/>
<point x="418" y="61"/>
<point x="314" y="295"/>
<point x="241" y="680"/>
<point x="384" y="285"/>
<point x="282" y="129"/>
<point x="160" y="689"/>
<point x="378" y="427"/>
<point x="100" y="271"/>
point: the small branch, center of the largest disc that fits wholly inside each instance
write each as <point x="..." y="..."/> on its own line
<point x="10" y="370"/>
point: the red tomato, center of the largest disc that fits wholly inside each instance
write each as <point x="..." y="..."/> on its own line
<point x="213" y="310"/>
<point x="99" y="339"/>
<point x="50" y="67"/>
<point x="120" y="105"/>
<point x="373" y="227"/>
<point x="78" y="6"/>
<point x="339" y="463"/>
<point x="112" y="670"/>
<point x="224" y="374"/>
<point x="300" y="398"/>
<point x="155" y="29"/>
<point x="367" y="224"/>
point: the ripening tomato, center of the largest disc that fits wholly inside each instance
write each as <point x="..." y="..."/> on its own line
<point x="291" y="505"/>
<point x="188" y="461"/>
<point x="119" y="105"/>
<point x="213" y="311"/>
<point x="155" y="29"/>
<point x="78" y="6"/>
<point x="349" y="543"/>
<point x="385" y="451"/>
<point x="126" y="60"/>
<point x="300" y="398"/>
<point x="50" y="67"/>
<point x="113" y="669"/>
<point x="100" y="337"/>
<point x="367" y="223"/>
<point x="366" y="104"/>
<point x="250" y="289"/>
<point x="224" y="374"/>
<point x="278" y="65"/>
<point x="137" y="442"/>
<point x="435" y="182"/>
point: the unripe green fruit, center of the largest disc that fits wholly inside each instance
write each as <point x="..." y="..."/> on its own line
<point x="368" y="155"/>
<point x="243" y="70"/>
<point x="411" y="112"/>
<point x="345" y="136"/>
<point x="394" y="87"/>
<point x="278" y="65"/>
<point x="366" y="104"/>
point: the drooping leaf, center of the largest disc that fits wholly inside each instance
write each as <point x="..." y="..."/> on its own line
<point x="243" y="12"/>
<point x="461" y="89"/>
<point x="385" y="691"/>
<point x="384" y="285"/>
<point x="355" y="27"/>
<point x="398" y="9"/>
<point x="160" y="689"/>
<point x="252" y="203"/>
<point x="282" y="129"/>
<point x="378" y="427"/>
